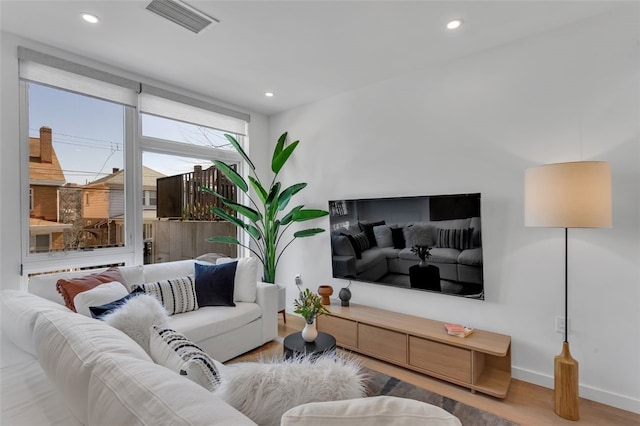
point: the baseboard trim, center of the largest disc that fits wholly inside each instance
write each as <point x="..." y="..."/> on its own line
<point x="602" y="396"/>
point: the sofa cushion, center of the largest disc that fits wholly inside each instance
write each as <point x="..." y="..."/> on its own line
<point x="133" y="275"/>
<point x="19" y="313"/>
<point x="173" y="350"/>
<point x="211" y="321"/>
<point x="382" y="234"/>
<point x="177" y="295"/>
<point x="373" y="411"/>
<point x="360" y="243"/>
<point x="471" y="257"/>
<point x="68" y="347"/>
<point x="69" y="288"/>
<point x="444" y="255"/>
<point x="455" y="238"/>
<point x="370" y="258"/>
<point x="126" y="391"/>
<point x="245" y="282"/>
<point x="136" y="316"/>
<point x="162" y="271"/>
<point x="99" y="295"/>
<point x="215" y="284"/>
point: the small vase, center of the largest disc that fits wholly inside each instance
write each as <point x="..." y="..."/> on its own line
<point x="345" y="296"/>
<point x="422" y="263"/>
<point x="309" y="332"/>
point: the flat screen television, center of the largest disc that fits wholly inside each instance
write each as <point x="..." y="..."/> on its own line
<point x="377" y="240"/>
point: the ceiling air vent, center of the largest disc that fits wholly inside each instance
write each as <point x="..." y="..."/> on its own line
<point x="182" y="14"/>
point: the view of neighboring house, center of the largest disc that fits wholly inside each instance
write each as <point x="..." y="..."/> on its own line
<point x="103" y="207"/>
<point x="45" y="178"/>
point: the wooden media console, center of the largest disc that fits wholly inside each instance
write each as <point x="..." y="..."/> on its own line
<point x="480" y="361"/>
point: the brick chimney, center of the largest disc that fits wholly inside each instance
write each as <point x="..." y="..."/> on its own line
<point x="46" y="147"/>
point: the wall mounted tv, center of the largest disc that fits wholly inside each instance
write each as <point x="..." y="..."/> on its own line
<point x="372" y="241"/>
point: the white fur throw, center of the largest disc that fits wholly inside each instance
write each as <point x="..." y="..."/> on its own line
<point x="263" y="391"/>
<point x="136" y="317"/>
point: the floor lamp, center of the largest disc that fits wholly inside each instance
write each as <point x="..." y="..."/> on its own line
<point x="568" y="195"/>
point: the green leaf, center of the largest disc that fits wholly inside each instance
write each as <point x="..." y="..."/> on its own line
<point x="238" y="148"/>
<point x="308" y="214"/>
<point x="248" y="212"/>
<point x="281" y="158"/>
<point x="288" y="193"/>
<point x="232" y="175"/>
<point x="257" y="186"/>
<point x="210" y="191"/>
<point x="253" y="231"/>
<point x="226" y="216"/>
<point x="224" y="239"/>
<point x="279" y="146"/>
<point x="307" y="232"/>
<point x="289" y="216"/>
<point x="272" y="201"/>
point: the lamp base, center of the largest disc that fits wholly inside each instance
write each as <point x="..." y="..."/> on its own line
<point x="566" y="384"/>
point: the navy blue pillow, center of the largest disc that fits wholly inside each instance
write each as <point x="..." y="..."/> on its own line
<point x="98" y="312"/>
<point x="215" y="284"/>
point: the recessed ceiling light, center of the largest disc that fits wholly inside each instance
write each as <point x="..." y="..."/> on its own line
<point x="452" y="25"/>
<point x="90" y="18"/>
<point x="269" y="94"/>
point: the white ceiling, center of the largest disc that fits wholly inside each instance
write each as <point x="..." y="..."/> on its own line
<point x="301" y="50"/>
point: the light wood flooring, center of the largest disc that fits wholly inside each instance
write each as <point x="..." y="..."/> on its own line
<point x="526" y="403"/>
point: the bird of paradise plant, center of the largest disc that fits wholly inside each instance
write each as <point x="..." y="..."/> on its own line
<point x="266" y="221"/>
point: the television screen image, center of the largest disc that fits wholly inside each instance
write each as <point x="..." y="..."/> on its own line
<point x="429" y="243"/>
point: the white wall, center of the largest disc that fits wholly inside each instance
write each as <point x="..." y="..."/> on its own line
<point x="475" y="125"/>
<point x="10" y="215"/>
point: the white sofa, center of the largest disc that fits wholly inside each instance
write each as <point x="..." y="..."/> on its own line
<point x="223" y="332"/>
<point x="62" y="368"/>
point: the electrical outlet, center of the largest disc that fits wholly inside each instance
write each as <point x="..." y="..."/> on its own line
<point x="559" y="324"/>
<point x="298" y="280"/>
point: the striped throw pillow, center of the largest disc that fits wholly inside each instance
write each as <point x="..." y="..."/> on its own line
<point x="460" y="239"/>
<point x="173" y="350"/>
<point x="177" y="295"/>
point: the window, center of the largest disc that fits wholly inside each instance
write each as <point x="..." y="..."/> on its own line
<point x="90" y="175"/>
<point x="76" y="149"/>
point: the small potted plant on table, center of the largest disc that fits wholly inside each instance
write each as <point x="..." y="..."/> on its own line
<point x="310" y="306"/>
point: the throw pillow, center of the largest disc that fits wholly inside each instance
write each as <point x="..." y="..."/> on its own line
<point x="136" y="316"/>
<point x="420" y="235"/>
<point x="382" y="235"/>
<point x="245" y="283"/>
<point x="360" y="242"/>
<point x="460" y="239"/>
<point x="99" y="311"/>
<point x="177" y="295"/>
<point x="215" y="284"/>
<point x="397" y="236"/>
<point x="104" y="293"/>
<point x="263" y="391"/>
<point x="354" y="244"/>
<point x="68" y="289"/>
<point x="176" y="352"/>
<point x="367" y="228"/>
<point x="373" y="411"/>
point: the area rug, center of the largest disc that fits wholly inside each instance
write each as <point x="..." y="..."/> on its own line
<point x="381" y="384"/>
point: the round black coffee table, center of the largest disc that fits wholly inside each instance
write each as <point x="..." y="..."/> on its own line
<point x="295" y="345"/>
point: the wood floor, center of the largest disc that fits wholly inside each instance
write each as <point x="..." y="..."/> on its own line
<point x="526" y="404"/>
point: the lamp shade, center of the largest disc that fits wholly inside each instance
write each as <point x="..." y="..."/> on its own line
<point x="568" y="195"/>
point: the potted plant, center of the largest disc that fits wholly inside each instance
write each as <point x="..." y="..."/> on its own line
<point x="310" y="306"/>
<point x="423" y="252"/>
<point x="266" y="219"/>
